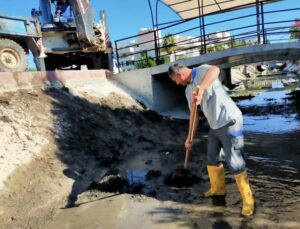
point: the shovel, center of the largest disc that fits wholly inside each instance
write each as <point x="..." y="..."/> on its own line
<point x="192" y="130"/>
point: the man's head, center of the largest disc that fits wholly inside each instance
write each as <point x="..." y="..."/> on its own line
<point x="180" y="74"/>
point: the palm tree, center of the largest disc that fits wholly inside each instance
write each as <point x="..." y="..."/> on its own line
<point x="169" y="43"/>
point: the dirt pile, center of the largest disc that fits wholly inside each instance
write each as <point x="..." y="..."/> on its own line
<point x="26" y="123"/>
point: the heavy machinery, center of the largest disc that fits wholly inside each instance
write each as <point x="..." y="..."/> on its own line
<point x="61" y="35"/>
<point x="71" y="38"/>
<point x="18" y="36"/>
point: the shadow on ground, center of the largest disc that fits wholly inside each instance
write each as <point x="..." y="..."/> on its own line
<point x="134" y="151"/>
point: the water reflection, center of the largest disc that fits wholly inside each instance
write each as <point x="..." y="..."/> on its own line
<point x="266" y="97"/>
<point x="136" y="176"/>
<point x="285" y="120"/>
<point x="271" y="123"/>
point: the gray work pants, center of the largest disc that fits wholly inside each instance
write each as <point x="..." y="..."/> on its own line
<point x="227" y="142"/>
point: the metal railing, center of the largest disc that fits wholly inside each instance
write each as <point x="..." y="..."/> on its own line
<point x="257" y="28"/>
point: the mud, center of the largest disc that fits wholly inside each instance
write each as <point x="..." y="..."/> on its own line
<point x="107" y="160"/>
<point x="181" y="178"/>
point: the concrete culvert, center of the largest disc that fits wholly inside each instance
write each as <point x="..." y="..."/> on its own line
<point x="169" y="98"/>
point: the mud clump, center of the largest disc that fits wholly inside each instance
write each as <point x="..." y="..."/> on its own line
<point x="152" y="174"/>
<point x="111" y="182"/>
<point x="181" y="178"/>
<point x="107" y="161"/>
<point x="114" y="182"/>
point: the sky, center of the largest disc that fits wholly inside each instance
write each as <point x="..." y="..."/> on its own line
<point x="125" y="18"/>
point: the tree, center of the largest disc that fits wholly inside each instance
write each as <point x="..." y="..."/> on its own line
<point x="295" y="30"/>
<point x="169" y="43"/>
<point x="145" y="61"/>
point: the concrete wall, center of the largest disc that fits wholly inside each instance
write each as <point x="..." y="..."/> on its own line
<point x="14" y="81"/>
<point x="157" y="92"/>
<point x="138" y="83"/>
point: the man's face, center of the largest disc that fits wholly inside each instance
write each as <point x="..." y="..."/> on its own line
<point x="179" y="78"/>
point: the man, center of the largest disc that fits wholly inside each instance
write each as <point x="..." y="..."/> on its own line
<point x="62" y="8"/>
<point x="226" y="128"/>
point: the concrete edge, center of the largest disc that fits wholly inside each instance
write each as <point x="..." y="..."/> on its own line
<point x="21" y="80"/>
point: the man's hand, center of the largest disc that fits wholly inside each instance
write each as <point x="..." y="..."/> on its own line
<point x="197" y="97"/>
<point x="188" y="144"/>
<point x="58" y="12"/>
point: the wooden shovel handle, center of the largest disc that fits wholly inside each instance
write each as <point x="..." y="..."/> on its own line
<point x="192" y="129"/>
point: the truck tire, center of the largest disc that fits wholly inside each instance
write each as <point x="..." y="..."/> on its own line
<point x="12" y="56"/>
<point x="50" y="63"/>
<point x="98" y="61"/>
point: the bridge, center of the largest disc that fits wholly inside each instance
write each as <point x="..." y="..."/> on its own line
<point x="153" y="87"/>
<point x="255" y="32"/>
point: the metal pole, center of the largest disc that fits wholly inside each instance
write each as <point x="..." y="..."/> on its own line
<point x="117" y="54"/>
<point x="203" y="26"/>
<point x="263" y="22"/>
<point x="156" y="26"/>
<point x="154" y="33"/>
<point x="258" y="22"/>
<point x="200" y="26"/>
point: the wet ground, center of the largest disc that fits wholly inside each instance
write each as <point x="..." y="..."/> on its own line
<point x="124" y="166"/>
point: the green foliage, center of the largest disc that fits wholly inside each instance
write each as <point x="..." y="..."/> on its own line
<point x="31" y="69"/>
<point x="295" y="30"/>
<point x="165" y="59"/>
<point x="217" y="47"/>
<point x="180" y="57"/>
<point x="225" y="45"/>
<point x="239" y="43"/>
<point x="145" y="61"/>
<point x="169" y="43"/>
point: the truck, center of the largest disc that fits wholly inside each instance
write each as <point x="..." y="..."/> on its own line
<point x="19" y="36"/>
<point x="72" y="39"/>
<point x="61" y="34"/>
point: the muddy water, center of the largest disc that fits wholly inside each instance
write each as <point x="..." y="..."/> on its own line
<point x="273" y="148"/>
<point x="270" y="111"/>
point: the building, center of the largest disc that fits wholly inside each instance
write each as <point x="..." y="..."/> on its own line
<point x="130" y="51"/>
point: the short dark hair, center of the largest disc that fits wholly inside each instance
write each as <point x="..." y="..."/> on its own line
<point x="174" y="68"/>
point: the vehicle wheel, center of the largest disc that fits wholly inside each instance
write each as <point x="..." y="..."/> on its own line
<point x="50" y="64"/>
<point x="98" y="61"/>
<point x="12" y="56"/>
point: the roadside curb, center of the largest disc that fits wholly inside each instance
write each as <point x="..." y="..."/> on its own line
<point x="21" y="80"/>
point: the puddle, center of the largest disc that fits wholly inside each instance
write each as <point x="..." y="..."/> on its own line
<point x="265" y="160"/>
<point x="271" y="161"/>
<point x="181" y="178"/>
<point x="143" y="182"/>
<point x="270" y="111"/>
<point x="271" y="123"/>
<point x="136" y="176"/>
<point x="265" y="98"/>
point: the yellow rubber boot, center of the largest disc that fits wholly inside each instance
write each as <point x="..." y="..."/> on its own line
<point x="217" y="181"/>
<point x="246" y="193"/>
